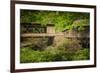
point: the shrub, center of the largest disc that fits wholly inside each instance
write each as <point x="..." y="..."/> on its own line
<point x="83" y="54"/>
<point x="28" y="55"/>
<point x="70" y="45"/>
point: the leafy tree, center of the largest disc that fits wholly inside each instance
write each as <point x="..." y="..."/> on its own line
<point x="61" y="20"/>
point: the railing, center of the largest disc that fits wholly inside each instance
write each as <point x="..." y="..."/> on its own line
<point x="40" y="35"/>
<point x="53" y="35"/>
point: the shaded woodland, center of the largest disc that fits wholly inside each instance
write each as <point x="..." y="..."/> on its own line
<point x="49" y="36"/>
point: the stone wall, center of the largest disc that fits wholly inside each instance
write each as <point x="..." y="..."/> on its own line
<point x="50" y="29"/>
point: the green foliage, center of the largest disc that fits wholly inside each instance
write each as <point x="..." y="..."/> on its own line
<point x="27" y="55"/>
<point x="82" y="54"/>
<point x="80" y="24"/>
<point x="61" y="20"/>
